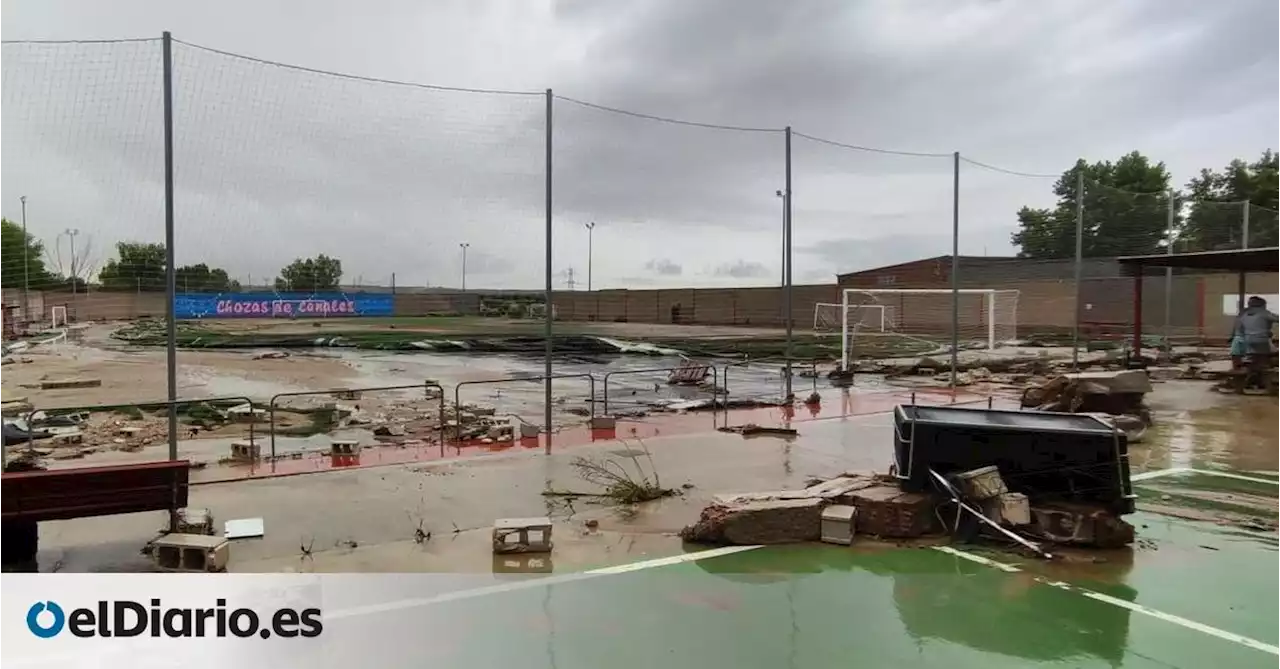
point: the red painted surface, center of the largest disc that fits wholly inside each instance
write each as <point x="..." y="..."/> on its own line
<point x="85" y="492"/>
<point x="849" y="404"/>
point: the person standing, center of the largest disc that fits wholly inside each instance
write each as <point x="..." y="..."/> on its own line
<point x="1253" y="331"/>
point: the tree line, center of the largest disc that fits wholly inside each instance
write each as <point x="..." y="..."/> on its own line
<point x="1126" y="209"/>
<point x="140" y="267"/>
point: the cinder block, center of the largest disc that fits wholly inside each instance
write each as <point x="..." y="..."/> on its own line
<point x="246" y="451"/>
<point x="604" y="423"/>
<point x="191" y="553"/>
<point x="838" y="524"/>
<point x="522" y="535"/>
<point x="195" y="521"/>
<point x="344" y="447"/>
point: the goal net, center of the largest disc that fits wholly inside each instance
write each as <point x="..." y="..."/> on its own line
<point x="987" y="317"/>
<point x="828" y="318"/>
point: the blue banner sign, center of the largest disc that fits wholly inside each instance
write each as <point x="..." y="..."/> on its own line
<point x="282" y="305"/>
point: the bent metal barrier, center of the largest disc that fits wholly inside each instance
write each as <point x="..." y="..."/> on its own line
<point x="332" y="392"/>
<point x="812" y="364"/>
<point x="591" y="380"/>
<point x="715" y="381"/>
<point x="59" y="411"/>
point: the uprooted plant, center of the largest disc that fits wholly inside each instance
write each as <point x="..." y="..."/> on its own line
<point x="621" y="484"/>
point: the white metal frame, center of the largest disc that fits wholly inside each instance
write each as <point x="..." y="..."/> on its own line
<point x="53" y="315"/>
<point x="989" y="300"/>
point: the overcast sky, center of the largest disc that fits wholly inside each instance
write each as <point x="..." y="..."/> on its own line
<point x="274" y="163"/>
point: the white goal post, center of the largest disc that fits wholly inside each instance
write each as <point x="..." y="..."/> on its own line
<point x="58" y="316"/>
<point x="985" y="314"/>
<point x="828" y="316"/>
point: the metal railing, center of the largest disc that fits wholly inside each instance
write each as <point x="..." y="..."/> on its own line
<point x="546" y="429"/>
<point x="812" y="364"/>
<point x="715" y="381"/>
<point x="425" y="386"/>
<point x="141" y="406"/>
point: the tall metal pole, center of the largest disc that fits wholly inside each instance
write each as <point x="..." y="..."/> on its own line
<point x="169" y="269"/>
<point x="591" y="228"/>
<point x="170" y="277"/>
<point x="955" y="268"/>
<point x="1244" y="226"/>
<point x="71" y="235"/>
<point x="782" y="272"/>
<point x="464" y="246"/>
<point x="26" y="264"/>
<point x="1079" y="270"/>
<point x="1168" y="271"/>
<point x="550" y="308"/>
<point x="786" y="292"/>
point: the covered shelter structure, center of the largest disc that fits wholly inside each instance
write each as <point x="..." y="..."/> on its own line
<point x="1241" y="262"/>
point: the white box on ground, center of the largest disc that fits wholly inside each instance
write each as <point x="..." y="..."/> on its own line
<point x="838" y="523"/>
<point x="522" y="535"/>
<point x="982" y="483"/>
<point x="1015" y="508"/>
<point x="191" y="553"/>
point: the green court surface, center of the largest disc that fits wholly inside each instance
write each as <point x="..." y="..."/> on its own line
<point x="1191" y="594"/>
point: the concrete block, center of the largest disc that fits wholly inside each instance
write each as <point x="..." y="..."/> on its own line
<point x="246" y="451"/>
<point x="191" y="553"/>
<point x="344" y="447"/>
<point x="522" y="535"/>
<point x="982" y="483"/>
<point x="604" y="423"/>
<point x="528" y="431"/>
<point x="195" y="521"/>
<point x="838" y="524"/>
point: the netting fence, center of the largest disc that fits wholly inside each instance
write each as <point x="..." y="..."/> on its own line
<point x="332" y="194"/>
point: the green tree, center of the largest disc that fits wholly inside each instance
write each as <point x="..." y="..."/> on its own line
<point x="1125" y="211"/>
<point x="139" y="266"/>
<point x="204" y="279"/>
<point x="1215" y="219"/>
<point x="310" y="274"/>
<point x="20" y="269"/>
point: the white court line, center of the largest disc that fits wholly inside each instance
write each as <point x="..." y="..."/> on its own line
<point x="415" y="602"/>
<point x="1136" y="608"/>
<point x="1147" y="476"/>
<point x="56" y="659"/>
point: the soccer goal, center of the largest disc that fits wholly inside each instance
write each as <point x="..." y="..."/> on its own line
<point x="58" y="316"/>
<point x="828" y="317"/>
<point x="982" y="315"/>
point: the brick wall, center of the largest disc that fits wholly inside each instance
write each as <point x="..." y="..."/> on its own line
<point x="761" y="307"/>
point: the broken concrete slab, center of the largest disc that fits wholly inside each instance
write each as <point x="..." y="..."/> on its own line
<point x="886" y="511"/>
<point x="763" y="522"/>
<point x="827" y="490"/>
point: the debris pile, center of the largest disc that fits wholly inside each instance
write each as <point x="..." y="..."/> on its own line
<point x="1117" y="395"/>
<point x="948" y="489"/>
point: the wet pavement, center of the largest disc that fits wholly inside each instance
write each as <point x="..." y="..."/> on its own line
<point x="1197" y="588"/>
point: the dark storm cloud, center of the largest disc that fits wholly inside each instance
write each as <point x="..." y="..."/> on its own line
<point x="277" y="163"/>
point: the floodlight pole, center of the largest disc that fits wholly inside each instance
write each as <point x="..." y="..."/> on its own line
<point x="786" y="291"/>
<point x="550" y="306"/>
<point x="1079" y="270"/>
<point x="170" y="276"/>
<point x="955" y="268"/>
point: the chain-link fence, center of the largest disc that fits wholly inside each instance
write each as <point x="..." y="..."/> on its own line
<point x="300" y="193"/>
